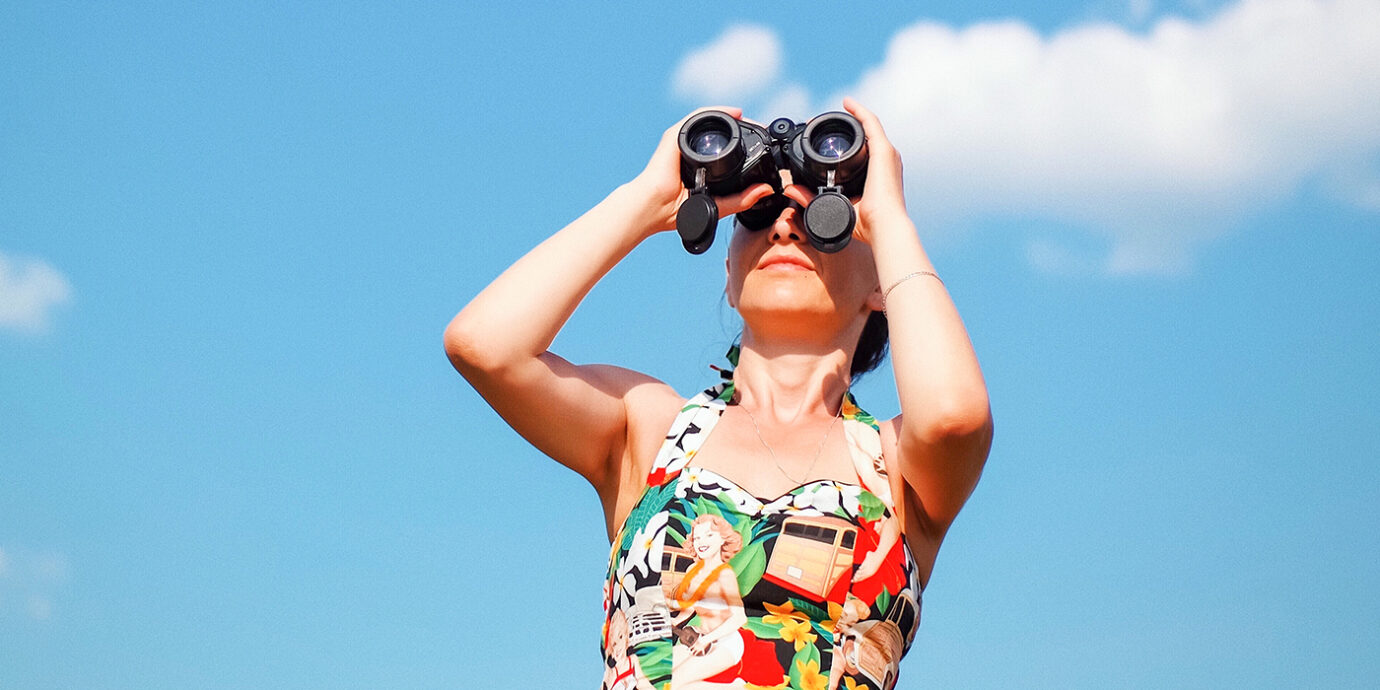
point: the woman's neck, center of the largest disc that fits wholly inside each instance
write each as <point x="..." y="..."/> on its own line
<point x="791" y="382"/>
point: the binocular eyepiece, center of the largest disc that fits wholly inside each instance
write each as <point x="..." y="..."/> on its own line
<point x="722" y="155"/>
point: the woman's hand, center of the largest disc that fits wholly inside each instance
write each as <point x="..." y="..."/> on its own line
<point x="701" y="646"/>
<point x="884" y="195"/>
<point x="660" y="186"/>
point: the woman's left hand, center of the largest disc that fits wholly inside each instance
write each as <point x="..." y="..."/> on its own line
<point x="701" y="646"/>
<point x="884" y="195"/>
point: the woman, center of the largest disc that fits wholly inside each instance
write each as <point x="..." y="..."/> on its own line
<point x="709" y="593"/>
<point x="622" y="672"/>
<point x="860" y="506"/>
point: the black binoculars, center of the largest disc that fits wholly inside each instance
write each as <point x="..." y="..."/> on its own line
<point x="722" y="155"/>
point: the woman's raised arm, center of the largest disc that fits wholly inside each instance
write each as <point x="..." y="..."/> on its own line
<point x="578" y="415"/>
<point x="944" y="432"/>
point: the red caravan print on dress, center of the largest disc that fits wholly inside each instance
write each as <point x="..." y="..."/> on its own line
<point x="712" y="587"/>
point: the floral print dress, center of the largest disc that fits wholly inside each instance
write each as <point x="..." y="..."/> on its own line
<point x="712" y="587"/>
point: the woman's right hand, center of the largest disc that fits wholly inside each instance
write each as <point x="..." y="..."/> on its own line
<point x="660" y="186"/>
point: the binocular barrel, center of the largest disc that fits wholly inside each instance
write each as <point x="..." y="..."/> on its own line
<point x="721" y="155"/>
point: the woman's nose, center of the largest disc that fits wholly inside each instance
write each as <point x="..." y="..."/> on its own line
<point x="786" y="227"/>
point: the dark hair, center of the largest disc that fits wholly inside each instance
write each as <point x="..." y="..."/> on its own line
<point x="871" y="346"/>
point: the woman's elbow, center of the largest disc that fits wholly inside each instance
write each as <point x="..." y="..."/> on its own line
<point x="969" y="422"/>
<point x="465" y="347"/>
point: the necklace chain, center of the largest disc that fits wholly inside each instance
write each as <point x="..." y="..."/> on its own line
<point x="818" y="451"/>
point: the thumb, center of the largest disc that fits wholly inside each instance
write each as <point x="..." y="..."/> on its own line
<point x="744" y="200"/>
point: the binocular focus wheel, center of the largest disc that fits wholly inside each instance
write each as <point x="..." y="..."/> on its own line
<point x="696" y="220"/>
<point x="829" y="221"/>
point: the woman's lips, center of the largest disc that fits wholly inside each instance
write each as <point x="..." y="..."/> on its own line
<point x="785" y="263"/>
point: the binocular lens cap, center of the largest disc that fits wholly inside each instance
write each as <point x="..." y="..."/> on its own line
<point x="829" y="221"/>
<point x="696" y="221"/>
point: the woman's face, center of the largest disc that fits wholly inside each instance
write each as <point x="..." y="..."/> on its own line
<point x="618" y="638"/>
<point x="775" y="270"/>
<point x="708" y="541"/>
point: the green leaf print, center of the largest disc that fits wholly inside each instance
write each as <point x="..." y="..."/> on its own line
<point x="866" y="418"/>
<point x="883" y="600"/>
<point x="807" y="654"/>
<point x="826" y="635"/>
<point x="728" y="513"/>
<point x="748" y="565"/>
<point x="870" y="506"/>
<point x="653" y="653"/>
<point x="809" y="609"/>
<point x="703" y="507"/>
<point x="651" y="503"/>
<point x="762" y="629"/>
<point x="655" y="659"/>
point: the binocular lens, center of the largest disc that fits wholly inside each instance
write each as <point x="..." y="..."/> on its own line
<point x="709" y="142"/>
<point x="832" y="145"/>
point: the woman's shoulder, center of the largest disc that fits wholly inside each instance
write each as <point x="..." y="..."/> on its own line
<point x="651" y="407"/>
<point x="653" y="403"/>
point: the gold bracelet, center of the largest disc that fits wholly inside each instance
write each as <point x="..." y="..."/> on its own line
<point x="903" y="279"/>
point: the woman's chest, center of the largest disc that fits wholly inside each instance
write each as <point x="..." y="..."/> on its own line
<point x="746" y="583"/>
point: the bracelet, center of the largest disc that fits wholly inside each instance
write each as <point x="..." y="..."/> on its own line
<point x="903" y="279"/>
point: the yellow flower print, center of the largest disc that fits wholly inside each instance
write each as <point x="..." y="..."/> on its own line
<point x="798" y="632"/>
<point x="835" y="611"/>
<point x="810" y="678"/>
<point x="781" y="614"/>
<point x="850" y="685"/>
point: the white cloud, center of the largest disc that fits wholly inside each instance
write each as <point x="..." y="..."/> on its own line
<point x="29" y="291"/>
<point x="50" y="567"/>
<point x="40" y="608"/>
<point x="791" y="100"/>
<point x="31" y="580"/>
<point x="1155" y="142"/>
<point x="1159" y="141"/>
<point x="738" y="64"/>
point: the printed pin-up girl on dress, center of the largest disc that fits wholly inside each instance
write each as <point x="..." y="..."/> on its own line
<point x="865" y="449"/>
<point x="709" y="590"/>
<point x="624" y="672"/>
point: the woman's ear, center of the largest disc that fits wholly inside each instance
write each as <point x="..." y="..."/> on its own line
<point x="875" y="300"/>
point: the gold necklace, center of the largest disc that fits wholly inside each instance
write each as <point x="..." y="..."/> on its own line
<point x="818" y="451"/>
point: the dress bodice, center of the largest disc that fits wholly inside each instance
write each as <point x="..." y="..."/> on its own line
<point x="814" y="588"/>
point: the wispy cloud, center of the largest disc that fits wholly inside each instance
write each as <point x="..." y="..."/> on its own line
<point x="30" y="581"/>
<point x="40" y="607"/>
<point x="1155" y="142"/>
<point x="736" y="65"/>
<point x="30" y="290"/>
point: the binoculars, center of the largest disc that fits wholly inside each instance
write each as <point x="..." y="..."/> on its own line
<point x="722" y="155"/>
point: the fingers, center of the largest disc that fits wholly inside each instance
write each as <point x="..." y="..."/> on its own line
<point x="744" y="200"/>
<point x="800" y="194"/>
<point x="881" y="151"/>
<point x="872" y="126"/>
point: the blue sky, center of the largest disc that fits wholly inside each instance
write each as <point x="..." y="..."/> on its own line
<point x="232" y="453"/>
